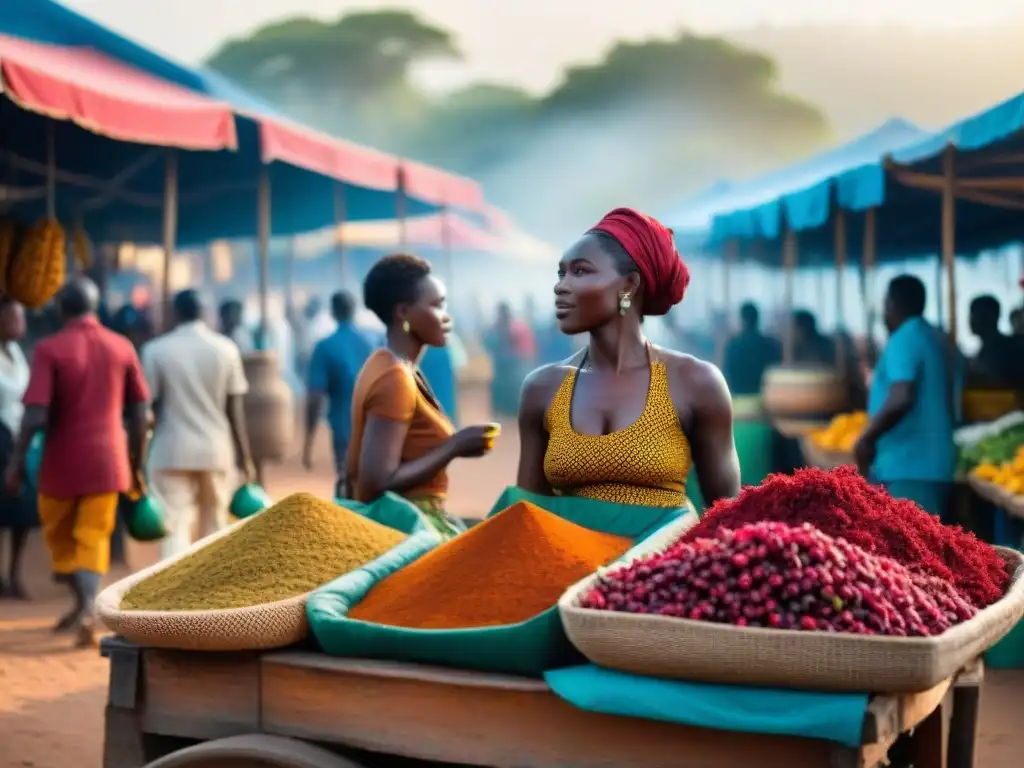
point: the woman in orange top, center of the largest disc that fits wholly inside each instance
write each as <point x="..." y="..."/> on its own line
<point x="402" y="440"/>
<point x="622" y="420"/>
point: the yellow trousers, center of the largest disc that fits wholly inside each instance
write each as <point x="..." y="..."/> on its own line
<point x="77" y="531"/>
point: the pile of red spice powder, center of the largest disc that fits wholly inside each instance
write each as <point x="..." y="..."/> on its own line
<point x="841" y="503"/>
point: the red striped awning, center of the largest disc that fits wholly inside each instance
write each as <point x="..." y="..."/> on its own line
<point x="112" y="99"/>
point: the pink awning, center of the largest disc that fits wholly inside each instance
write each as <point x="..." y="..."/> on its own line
<point x="303" y="147"/>
<point x="288" y="142"/>
<point x="112" y="99"/>
<point x="442" y="188"/>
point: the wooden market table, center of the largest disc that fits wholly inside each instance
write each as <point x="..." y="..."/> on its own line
<point x="296" y="709"/>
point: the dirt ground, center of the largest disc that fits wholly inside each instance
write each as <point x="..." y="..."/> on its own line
<point x="52" y="697"/>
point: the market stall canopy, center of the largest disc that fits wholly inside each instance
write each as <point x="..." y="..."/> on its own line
<point x="905" y="186"/>
<point x="799" y="196"/>
<point x="107" y="97"/>
<point x="429" y="233"/>
<point x="217" y="190"/>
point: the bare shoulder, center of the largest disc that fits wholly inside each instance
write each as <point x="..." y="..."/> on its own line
<point x="703" y="381"/>
<point x="542" y="383"/>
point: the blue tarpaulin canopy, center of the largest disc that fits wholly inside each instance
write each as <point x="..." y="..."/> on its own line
<point x="116" y="188"/>
<point x="902" y="185"/>
<point x="745" y="209"/>
<point x="799" y="197"/>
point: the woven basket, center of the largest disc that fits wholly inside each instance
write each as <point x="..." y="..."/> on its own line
<point x="817" y="457"/>
<point x="661" y="646"/>
<point x="271" y="625"/>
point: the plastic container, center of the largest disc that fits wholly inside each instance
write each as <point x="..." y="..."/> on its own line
<point x="145" y="519"/>
<point x="250" y="499"/>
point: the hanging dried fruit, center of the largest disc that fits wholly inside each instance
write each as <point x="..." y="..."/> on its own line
<point x="39" y="269"/>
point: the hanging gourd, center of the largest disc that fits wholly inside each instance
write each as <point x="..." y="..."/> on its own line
<point x="39" y="269"/>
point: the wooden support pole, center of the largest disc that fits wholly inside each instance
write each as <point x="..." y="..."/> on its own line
<point x="401" y="208"/>
<point x="949" y="263"/>
<point x="51" y="169"/>
<point x="263" y="253"/>
<point x="867" y="282"/>
<point x="447" y="247"/>
<point x="840" y="256"/>
<point x="949" y="239"/>
<point x="789" y="261"/>
<point x="340" y="215"/>
<point x="729" y="258"/>
<point x="289" y="279"/>
<point x="170" y="233"/>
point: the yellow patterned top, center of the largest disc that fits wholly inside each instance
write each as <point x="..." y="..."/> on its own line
<point x="646" y="463"/>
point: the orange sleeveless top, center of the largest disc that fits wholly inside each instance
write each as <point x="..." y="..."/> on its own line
<point x="645" y="464"/>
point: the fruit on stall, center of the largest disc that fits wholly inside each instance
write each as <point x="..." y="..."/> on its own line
<point x="995" y="450"/>
<point x="776" y="576"/>
<point x="39" y="268"/>
<point x="842" y="432"/>
<point x="1008" y="475"/>
<point x="843" y="504"/>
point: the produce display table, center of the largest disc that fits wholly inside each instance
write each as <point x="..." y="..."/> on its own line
<point x="295" y="709"/>
<point x="1010" y="503"/>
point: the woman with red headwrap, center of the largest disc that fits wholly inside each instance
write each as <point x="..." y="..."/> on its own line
<point x="622" y="420"/>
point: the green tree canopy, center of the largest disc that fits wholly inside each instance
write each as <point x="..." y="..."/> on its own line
<point x="349" y="76"/>
<point x="648" y="124"/>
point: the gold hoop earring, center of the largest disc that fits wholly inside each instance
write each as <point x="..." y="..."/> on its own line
<point x="405" y="326"/>
<point x="625" y="302"/>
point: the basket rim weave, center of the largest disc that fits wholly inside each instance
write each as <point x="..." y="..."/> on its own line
<point x="568" y="604"/>
<point x="108" y="602"/>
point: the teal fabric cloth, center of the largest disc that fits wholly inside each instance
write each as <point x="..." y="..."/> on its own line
<point x="527" y="648"/>
<point x="754" y="447"/>
<point x="837" y="717"/>
<point x="920" y="446"/>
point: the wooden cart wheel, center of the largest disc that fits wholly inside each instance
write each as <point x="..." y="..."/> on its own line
<point x="253" y="751"/>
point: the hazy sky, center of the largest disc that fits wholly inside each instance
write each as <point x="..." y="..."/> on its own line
<point x="525" y="41"/>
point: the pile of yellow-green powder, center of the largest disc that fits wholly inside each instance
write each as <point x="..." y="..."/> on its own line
<point x="292" y="548"/>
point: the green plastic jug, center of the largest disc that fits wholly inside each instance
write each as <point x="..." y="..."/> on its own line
<point x="250" y="499"/>
<point x="34" y="460"/>
<point x="144" y="519"/>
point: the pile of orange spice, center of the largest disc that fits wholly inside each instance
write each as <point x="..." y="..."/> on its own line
<point x="505" y="570"/>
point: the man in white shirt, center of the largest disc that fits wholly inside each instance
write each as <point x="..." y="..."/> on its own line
<point x="200" y="438"/>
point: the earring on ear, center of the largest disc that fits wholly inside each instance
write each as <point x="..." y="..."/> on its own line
<point x="405" y="326"/>
<point x="625" y="302"/>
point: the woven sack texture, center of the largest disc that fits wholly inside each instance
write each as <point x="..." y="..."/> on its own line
<point x="661" y="646"/>
<point x="258" y="627"/>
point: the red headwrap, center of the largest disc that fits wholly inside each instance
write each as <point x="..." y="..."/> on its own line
<point x="653" y="250"/>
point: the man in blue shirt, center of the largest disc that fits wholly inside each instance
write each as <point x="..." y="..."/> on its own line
<point x="749" y="354"/>
<point x="908" y="444"/>
<point x="333" y="369"/>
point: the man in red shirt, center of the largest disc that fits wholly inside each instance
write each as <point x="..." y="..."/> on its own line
<point x="86" y="383"/>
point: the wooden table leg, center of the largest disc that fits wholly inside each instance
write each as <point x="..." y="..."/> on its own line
<point x="929" y="742"/>
<point x="963" y="729"/>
